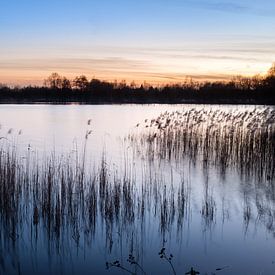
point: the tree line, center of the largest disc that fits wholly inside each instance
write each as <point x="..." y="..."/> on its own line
<point x="254" y="90"/>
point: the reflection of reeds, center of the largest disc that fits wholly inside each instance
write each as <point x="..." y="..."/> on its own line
<point x="52" y="194"/>
<point x="208" y="205"/>
<point x="163" y="255"/>
<point x="243" y="141"/>
<point x="54" y="198"/>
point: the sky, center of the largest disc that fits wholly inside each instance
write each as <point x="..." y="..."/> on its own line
<point x="158" y="41"/>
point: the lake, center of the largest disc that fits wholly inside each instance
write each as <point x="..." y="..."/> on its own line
<point x="102" y="189"/>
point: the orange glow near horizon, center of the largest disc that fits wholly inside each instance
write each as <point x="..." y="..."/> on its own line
<point x="154" y="41"/>
<point x="24" y="73"/>
<point x="155" y="64"/>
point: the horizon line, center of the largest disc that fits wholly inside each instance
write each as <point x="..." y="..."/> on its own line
<point x="163" y="79"/>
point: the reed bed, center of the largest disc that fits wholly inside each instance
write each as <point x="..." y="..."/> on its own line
<point x="241" y="140"/>
<point x="56" y="195"/>
<point x="65" y="200"/>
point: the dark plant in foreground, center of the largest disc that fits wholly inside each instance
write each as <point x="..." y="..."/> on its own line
<point x="131" y="259"/>
<point x="192" y="272"/>
<point x="169" y="258"/>
<point x="162" y="254"/>
<point x="117" y="264"/>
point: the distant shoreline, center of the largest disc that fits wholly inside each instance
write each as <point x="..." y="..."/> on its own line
<point x="38" y="96"/>
<point x="256" y="90"/>
<point x="99" y="102"/>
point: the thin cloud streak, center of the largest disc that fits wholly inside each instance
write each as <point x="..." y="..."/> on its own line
<point x="74" y="64"/>
<point x="219" y="6"/>
<point x="231" y="7"/>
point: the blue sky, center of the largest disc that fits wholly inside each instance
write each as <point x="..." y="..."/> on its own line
<point x="153" y="40"/>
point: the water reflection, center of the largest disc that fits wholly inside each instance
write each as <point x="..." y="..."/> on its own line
<point x="182" y="187"/>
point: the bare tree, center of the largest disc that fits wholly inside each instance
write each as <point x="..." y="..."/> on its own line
<point x="2" y="86"/>
<point x="81" y="83"/>
<point x="271" y="71"/>
<point x="54" y="81"/>
<point x="66" y="84"/>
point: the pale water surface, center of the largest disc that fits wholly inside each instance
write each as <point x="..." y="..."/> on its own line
<point x="237" y="234"/>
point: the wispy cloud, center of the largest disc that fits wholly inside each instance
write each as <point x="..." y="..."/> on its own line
<point x="74" y="64"/>
<point x="177" y="77"/>
<point x="232" y="7"/>
<point x="220" y="6"/>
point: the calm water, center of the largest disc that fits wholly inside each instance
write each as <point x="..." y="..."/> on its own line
<point x="205" y="218"/>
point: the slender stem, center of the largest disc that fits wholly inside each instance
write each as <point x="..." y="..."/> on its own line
<point x="138" y="265"/>
<point x="125" y="269"/>
<point x="169" y="261"/>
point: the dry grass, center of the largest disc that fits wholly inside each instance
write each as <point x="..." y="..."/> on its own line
<point x="241" y="140"/>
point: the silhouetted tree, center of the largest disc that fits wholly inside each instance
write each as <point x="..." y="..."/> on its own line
<point x="242" y="82"/>
<point x="256" y="82"/>
<point x="2" y="86"/>
<point x="133" y="85"/>
<point x="66" y="84"/>
<point x="271" y="71"/>
<point x="122" y="84"/>
<point x="81" y="83"/>
<point x="270" y="79"/>
<point x="95" y="84"/>
<point x="54" y="81"/>
<point x="257" y="90"/>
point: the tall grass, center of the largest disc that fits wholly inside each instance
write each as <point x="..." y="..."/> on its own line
<point x="241" y="140"/>
<point x="55" y="195"/>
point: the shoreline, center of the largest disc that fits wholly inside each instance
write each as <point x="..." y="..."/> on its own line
<point x="132" y="103"/>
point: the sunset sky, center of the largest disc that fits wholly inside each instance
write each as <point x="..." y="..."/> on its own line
<point x="154" y="40"/>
